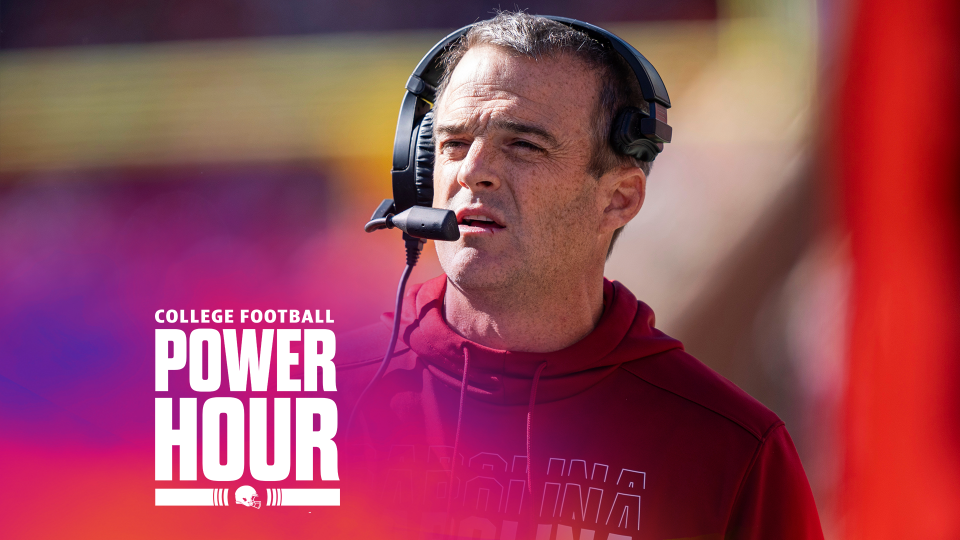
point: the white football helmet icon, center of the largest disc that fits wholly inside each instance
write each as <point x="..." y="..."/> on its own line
<point x="247" y="496"/>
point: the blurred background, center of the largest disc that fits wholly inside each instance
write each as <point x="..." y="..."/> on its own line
<point x="799" y="234"/>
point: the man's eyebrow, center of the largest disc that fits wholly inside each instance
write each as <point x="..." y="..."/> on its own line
<point x="505" y="124"/>
<point x="449" y="129"/>
<point x="520" y="127"/>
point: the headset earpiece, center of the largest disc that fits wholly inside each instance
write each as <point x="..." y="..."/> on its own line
<point x="644" y="150"/>
<point x="628" y="138"/>
<point x="424" y="161"/>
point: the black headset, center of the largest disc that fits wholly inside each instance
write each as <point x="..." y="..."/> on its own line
<point x="635" y="132"/>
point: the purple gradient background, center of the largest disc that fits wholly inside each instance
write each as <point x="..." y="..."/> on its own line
<point x="85" y="262"/>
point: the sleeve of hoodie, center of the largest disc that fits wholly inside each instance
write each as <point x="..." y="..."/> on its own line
<point x="775" y="500"/>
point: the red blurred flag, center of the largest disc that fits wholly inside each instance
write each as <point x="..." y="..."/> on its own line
<point x="897" y="143"/>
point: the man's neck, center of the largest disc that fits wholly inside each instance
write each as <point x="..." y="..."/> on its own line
<point x="522" y="320"/>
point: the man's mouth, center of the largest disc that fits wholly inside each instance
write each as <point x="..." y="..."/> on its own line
<point x="477" y="223"/>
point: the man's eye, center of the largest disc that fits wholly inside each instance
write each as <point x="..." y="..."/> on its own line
<point x="452" y="146"/>
<point x="527" y="145"/>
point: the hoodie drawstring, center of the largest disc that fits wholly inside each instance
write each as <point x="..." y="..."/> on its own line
<point x="456" y="438"/>
<point x="533" y="401"/>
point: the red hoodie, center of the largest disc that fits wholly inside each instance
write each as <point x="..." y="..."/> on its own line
<point x="629" y="437"/>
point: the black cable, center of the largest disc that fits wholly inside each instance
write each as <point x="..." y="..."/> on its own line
<point x="377" y="224"/>
<point x="413" y="247"/>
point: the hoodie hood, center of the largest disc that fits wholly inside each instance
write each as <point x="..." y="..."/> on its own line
<point x="624" y="333"/>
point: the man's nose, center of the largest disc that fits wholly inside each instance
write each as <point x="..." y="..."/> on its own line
<point x="480" y="169"/>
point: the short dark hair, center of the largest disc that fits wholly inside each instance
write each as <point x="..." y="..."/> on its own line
<point x="538" y="37"/>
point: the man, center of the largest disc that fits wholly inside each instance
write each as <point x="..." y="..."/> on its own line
<point x="530" y="397"/>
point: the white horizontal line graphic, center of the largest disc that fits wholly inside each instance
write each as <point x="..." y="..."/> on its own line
<point x="221" y="497"/>
<point x="303" y="497"/>
<point x="191" y="497"/>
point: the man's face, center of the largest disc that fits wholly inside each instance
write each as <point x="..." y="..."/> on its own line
<point x="513" y="140"/>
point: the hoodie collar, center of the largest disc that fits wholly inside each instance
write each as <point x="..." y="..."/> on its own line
<point x="624" y="333"/>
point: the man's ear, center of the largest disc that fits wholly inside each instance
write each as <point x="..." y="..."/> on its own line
<point x="624" y="189"/>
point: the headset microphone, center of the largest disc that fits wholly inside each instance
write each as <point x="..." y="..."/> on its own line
<point x="417" y="221"/>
